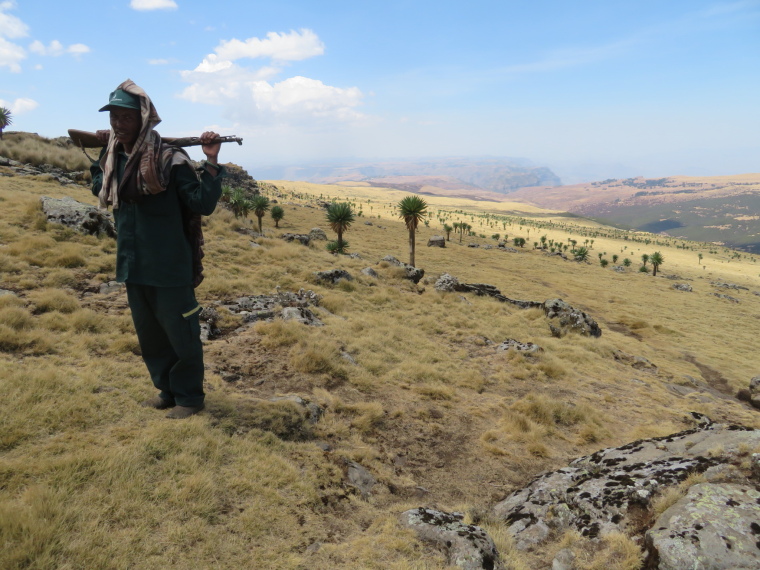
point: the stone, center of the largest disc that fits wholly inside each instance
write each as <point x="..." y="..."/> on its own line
<point x="524" y="347"/>
<point x="726" y="297"/>
<point x="466" y="546"/>
<point x="318" y="233"/>
<point x="333" y="275"/>
<point x="563" y="560"/>
<point x="359" y="478"/>
<point x="313" y="411"/>
<point x="414" y="274"/>
<point x="7" y="292"/>
<point x="446" y="283"/>
<point x="301" y="315"/>
<point x="571" y="318"/>
<point x="683" y="287"/>
<point x="369" y="272"/>
<point x="437" y="241"/>
<point x="754" y="385"/>
<point x="304" y="239"/>
<point x="367" y="223"/>
<point x="392" y="260"/>
<point x="78" y="216"/>
<point x="713" y="526"/>
<point x="111" y="287"/>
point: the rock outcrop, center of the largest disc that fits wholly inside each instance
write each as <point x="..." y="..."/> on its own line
<point x="613" y="490"/>
<point x="571" y="318"/>
<point x="437" y="241"/>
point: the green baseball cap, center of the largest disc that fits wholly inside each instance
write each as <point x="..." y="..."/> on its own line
<point x="121" y="98"/>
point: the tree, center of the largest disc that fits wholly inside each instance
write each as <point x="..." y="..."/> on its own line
<point x="5" y="119"/>
<point x="656" y="259"/>
<point x="277" y="214"/>
<point x="581" y="254"/>
<point x="627" y="262"/>
<point x="260" y="206"/>
<point x="447" y="228"/>
<point x="700" y="258"/>
<point x="412" y="209"/>
<point x="239" y="203"/>
<point x="644" y="258"/>
<point x="340" y="217"/>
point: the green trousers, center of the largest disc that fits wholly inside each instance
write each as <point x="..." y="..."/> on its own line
<point x="168" y="329"/>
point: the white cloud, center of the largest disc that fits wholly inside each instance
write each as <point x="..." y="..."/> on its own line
<point x="294" y="46"/>
<point x="10" y="55"/>
<point x="11" y="27"/>
<point x="19" y="106"/>
<point x="158" y="61"/>
<point x="146" y="5"/>
<point x="56" y="49"/>
<point x="252" y="94"/>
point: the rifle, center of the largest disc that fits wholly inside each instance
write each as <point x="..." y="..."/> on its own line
<point x="85" y="139"/>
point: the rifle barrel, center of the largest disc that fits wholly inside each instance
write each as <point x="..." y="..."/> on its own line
<point x="86" y="139"/>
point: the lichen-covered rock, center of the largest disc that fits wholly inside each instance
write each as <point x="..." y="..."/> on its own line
<point x="595" y="494"/>
<point x="304" y="239"/>
<point x="369" y="272"/>
<point x="466" y="546"/>
<point x="446" y="283"/>
<point x="715" y="526"/>
<point x="683" y="287"/>
<point x="437" y="241"/>
<point x="301" y="315"/>
<point x="524" y="347"/>
<point x="333" y="275"/>
<point x="392" y="260"/>
<point x="76" y="215"/>
<point x="317" y="233"/>
<point x="414" y="274"/>
<point x="571" y="318"/>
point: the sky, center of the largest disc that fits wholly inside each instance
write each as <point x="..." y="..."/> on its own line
<point x="592" y="89"/>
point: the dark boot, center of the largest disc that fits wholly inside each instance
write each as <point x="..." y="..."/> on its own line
<point x="182" y="412"/>
<point x="158" y="403"/>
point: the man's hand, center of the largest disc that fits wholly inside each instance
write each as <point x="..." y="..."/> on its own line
<point x="103" y="136"/>
<point x="211" y="149"/>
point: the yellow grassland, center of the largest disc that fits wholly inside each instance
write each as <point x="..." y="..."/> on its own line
<point x="89" y="479"/>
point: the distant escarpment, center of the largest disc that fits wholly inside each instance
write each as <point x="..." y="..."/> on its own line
<point x="501" y="175"/>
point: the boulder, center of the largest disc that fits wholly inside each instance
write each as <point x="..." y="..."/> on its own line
<point x="571" y="318"/>
<point x="392" y="260"/>
<point x="333" y="275"/>
<point x="713" y="526"/>
<point x="369" y="272"/>
<point x="683" y="287"/>
<point x="437" y="241"/>
<point x="466" y="546"/>
<point x="318" y="233"/>
<point x="303" y="238"/>
<point x="446" y="283"/>
<point x="726" y="297"/>
<point x="414" y="273"/>
<point x="301" y="315"/>
<point x="76" y="215"/>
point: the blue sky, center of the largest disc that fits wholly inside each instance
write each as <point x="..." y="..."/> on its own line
<point x="589" y="88"/>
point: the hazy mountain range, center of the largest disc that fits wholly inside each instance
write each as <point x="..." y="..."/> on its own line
<point x="501" y="175"/>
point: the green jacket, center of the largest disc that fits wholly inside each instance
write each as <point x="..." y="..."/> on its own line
<point x="151" y="246"/>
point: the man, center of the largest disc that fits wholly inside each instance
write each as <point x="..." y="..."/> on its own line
<point x="157" y="201"/>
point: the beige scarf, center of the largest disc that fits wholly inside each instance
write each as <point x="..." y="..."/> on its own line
<point x="149" y="164"/>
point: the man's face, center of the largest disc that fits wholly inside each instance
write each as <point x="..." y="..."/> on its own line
<point x="126" y="125"/>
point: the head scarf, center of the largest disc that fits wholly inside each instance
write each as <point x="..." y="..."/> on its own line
<point x="148" y="167"/>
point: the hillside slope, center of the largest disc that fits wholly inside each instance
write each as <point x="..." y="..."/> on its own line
<point x="410" y="382"/>
<point x="720" y="209"/>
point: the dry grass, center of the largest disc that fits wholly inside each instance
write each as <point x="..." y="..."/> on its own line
<point x="90" y="479"/>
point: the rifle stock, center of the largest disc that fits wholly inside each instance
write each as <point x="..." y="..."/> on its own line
<point x="86" y="139"/>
